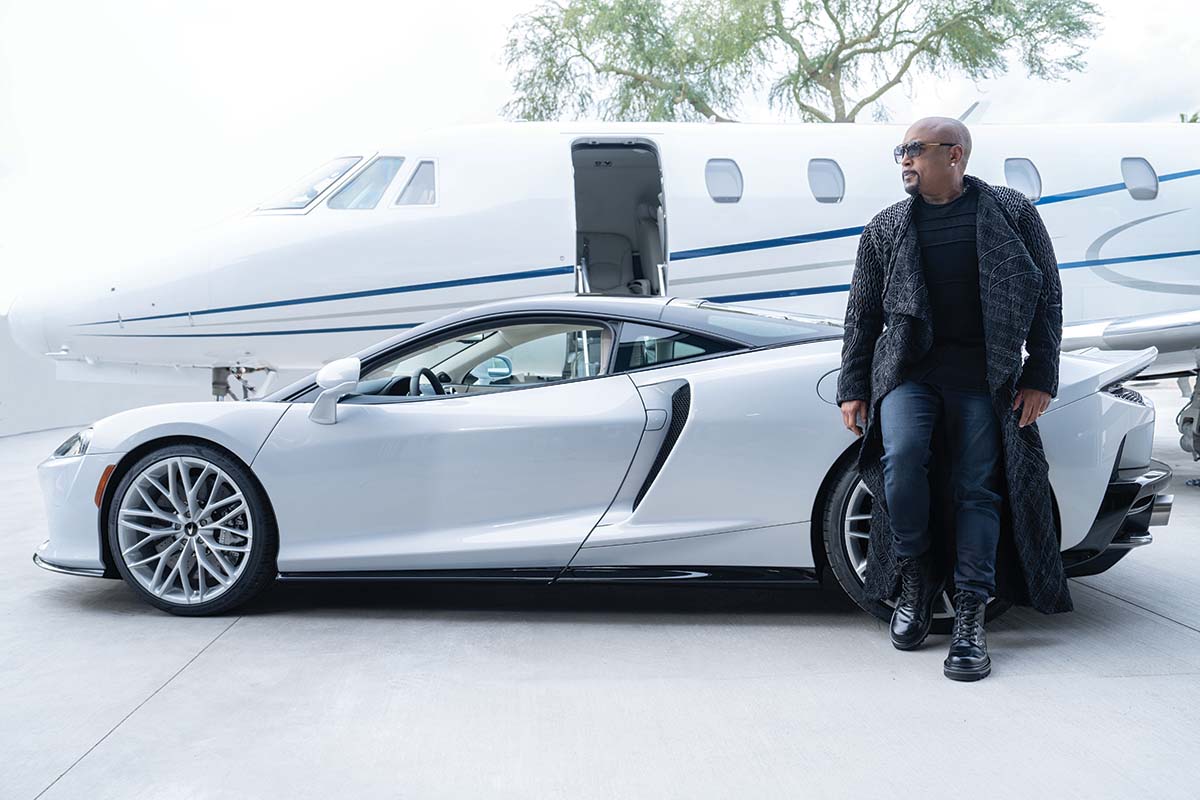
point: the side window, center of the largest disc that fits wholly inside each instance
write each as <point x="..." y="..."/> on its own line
<point x="369" y="185"/>
<point x="644" y="345"/>
<point x="1022" y="175"/>
<point x="1140" y="178"/>
<point x="505" y="356"/>
<point x="420" y="189"/>
<point x="545" y="354"/>
<point x="723" y="179"/>
<point x="826" y="180"/>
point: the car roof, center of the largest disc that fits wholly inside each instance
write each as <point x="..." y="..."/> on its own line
<point x="647" y="308"/>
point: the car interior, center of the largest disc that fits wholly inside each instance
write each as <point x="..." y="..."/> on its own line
<point x="494" y="359"/>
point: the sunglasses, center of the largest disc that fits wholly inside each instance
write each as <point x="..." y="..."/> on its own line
<point x="915" y="148"/>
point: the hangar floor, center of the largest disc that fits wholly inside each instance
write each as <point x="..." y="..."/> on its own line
<point x="447" y="691"/>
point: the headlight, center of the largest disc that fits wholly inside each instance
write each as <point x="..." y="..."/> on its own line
<point x="77" y="445"/>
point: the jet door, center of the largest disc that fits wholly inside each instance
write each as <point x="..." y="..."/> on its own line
<point x="620" y="219"/>
<point x="511" y="468"/>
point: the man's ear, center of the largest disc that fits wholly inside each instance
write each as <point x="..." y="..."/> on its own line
<point x="956" y="154"/>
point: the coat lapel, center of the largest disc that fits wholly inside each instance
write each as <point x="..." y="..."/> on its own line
<point x="905" y="291"/>
<point x="1009" y="283"/>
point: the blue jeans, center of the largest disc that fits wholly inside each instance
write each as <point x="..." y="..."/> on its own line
<point x="908" y="414"/>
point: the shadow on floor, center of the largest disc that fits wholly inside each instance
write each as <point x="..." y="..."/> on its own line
<point x="287" y="597"/>
<point x="111" y="597"/>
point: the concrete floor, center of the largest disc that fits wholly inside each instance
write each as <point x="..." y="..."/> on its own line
<point x="454" y="691"/>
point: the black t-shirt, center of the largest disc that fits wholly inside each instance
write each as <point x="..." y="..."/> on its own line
<point x="946" y="234"/>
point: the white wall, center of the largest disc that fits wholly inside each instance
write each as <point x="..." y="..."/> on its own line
<point x="32" y="399"/>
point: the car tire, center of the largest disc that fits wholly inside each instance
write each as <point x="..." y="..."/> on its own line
<point x="844" y="537"/>
<point x="190" y="530"/>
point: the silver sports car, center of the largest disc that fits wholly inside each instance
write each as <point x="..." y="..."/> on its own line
<point x="549" y="439"/>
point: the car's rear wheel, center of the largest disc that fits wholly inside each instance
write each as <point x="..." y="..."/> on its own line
<point x="191" y="531"/>
<point x="846" y="530"/>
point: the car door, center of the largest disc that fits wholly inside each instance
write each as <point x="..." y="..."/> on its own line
<point x="512" y="475"/>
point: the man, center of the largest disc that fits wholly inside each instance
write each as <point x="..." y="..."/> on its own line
<point x="948" y="285"/>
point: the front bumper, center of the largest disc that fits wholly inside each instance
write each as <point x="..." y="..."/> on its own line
<point x="73" y="520"/>
<point x="80" y="571"/>
<point x="1134" y="502"/>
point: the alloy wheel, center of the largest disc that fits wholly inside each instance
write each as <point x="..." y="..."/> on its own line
<point x="184" y="530"/>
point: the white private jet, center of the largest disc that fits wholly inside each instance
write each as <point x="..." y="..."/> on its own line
<point x="766" y="215"/>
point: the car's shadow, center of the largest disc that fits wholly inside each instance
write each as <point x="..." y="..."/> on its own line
<point x="581" y="600"/>
<point x="522" y="601"/>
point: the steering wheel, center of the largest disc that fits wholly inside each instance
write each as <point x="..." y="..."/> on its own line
<point x="414" y="383"/>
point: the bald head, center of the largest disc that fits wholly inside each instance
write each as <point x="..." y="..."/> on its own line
<point x="936" y="172"/>
<point x="941" y="129"/>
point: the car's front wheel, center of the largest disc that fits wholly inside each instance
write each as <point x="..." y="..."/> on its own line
<point x="846" y="530"/>
<point x="191" y="531"/>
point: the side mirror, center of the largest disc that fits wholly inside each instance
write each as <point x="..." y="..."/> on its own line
<point x="499" y="367"/>
<point x="338" y="379"/>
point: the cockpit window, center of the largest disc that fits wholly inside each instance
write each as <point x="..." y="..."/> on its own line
<point x="365" y="188"/>
<point x="311" y="186"/>
<point x="420" y="190"/>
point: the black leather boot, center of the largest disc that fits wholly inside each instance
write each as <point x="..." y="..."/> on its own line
<point x="914" y="607"/>
<point x="968" y="659"/>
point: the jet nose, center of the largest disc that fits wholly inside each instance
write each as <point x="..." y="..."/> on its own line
<point x="25" y="324"/>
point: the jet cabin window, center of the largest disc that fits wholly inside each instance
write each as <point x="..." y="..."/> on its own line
<point x="826" y="180"/>
<point x="311" y="186"/>
<point x="420" y="189"/>
<point x="365" y="189"/>
<point x="1022" y="175"/>
<point x="644" y="345"/>
<point x="723" y="179"/>
<point x="1140" y="178"/>
<point x="499" y="358"/>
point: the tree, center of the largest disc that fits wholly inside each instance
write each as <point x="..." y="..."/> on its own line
<point x="1193" y="118"/>
<point x="824" y="61"/>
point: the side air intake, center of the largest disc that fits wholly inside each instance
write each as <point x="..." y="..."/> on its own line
<point x="681" y="404"/>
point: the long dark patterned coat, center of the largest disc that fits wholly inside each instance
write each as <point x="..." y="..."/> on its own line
<point x="888" y="327"/>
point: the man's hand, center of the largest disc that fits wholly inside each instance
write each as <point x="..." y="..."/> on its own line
<point x="852" y="411"/>
<point x="1034" y="402"/>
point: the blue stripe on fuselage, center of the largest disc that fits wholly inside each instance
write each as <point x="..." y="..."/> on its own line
<point x="325" y="298"/>
<point x="763" y="244"/>
<point x="293" y="332"/>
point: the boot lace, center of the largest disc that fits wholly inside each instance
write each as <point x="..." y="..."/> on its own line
<point x="910" y="582"/>
<point x="969" y="610"/>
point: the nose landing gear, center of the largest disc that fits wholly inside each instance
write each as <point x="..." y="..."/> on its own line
<point x="237" y="383"/>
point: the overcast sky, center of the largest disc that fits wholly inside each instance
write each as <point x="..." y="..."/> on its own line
<point x="127" y="123"/>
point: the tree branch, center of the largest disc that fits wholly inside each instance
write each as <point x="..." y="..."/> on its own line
<point x="836" y="22"/>
<point x="894" y="81"/>
<point x="693" y="99"/>
<point x="809" y="109"/>
<point x="785" y="33"/>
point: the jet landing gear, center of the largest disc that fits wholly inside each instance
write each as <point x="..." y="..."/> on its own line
<point x="235" y="383"/>
<point x="1185" y="420"/>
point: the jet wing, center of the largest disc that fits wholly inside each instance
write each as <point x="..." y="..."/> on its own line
<point x="1173" y="333"/>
